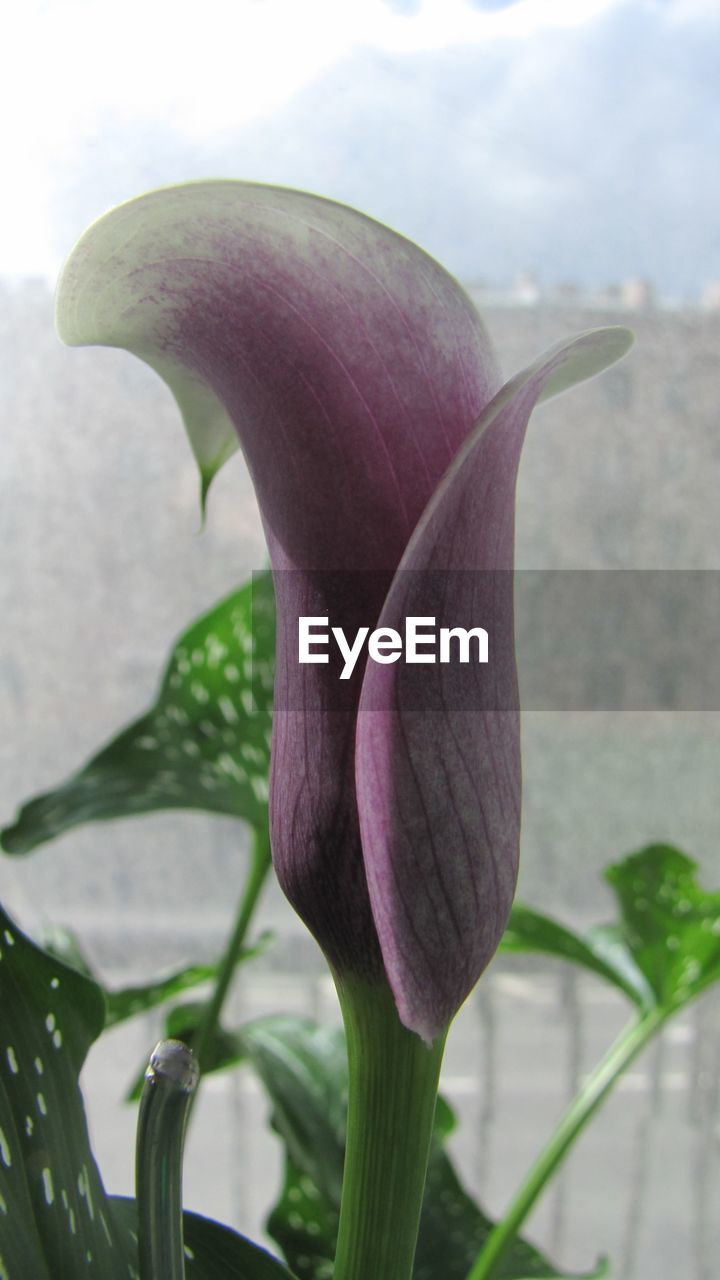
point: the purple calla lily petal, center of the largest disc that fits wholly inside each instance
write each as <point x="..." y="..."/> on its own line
<point x="352" y="369"/>
<point x="349" y="364"/>
<point x="438" y="747"/>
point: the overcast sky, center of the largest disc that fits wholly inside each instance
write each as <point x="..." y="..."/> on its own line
<point x="576" y="138"/>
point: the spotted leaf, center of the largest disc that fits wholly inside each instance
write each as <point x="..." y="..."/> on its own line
<point x="56" y="1221"/>
<point x="453" y="1230"/>
<point x="304" y="1223"/>
<point x="664" y="949"/>
<point x="304" y="1071"/>
<point x="669" y="924"/>
<point x="212" y="1251"/>
<point x="205" y="744"/>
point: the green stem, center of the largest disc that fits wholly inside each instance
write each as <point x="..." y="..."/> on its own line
<point x="259" y="866"/>
<point x="391" y="1105"/>
<point x="170" y="1082"/>
<point x="627" y="1046"/>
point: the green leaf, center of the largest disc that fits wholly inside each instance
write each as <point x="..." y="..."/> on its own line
<point x="304" y="1071"/>
<point x="305" y="1225"/>
<point x="665" y="948"/>
<point x="663" y="952"/>
<point x="215" y="1252"/>
<point x="205" y="744"/>
<point x="55" y="1219"/>
<point x="453" y="1229"/>
<point x="212" y="1251"/>
<point x="303" y="1068"/>
<point x="63" y="943"/>
<point x="669" y="924"/>
<point x="602" y="951"/>
<point x="56" y="1222"/>
<point x="127" y="1002"/>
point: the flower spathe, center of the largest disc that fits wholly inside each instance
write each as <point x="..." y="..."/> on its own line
<point x="359" y="381"/>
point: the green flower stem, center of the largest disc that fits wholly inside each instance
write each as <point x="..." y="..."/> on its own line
<point x="391" y="1105"/>
<point x="260" y="863"/>
<point x="627" y="1046"/>
<point x="170" y="1082"/>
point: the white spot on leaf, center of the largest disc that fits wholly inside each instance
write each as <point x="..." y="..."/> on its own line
<point x="85" y="1192"/>
<point x="228" y="710"/>
<point x="260" y="788"/>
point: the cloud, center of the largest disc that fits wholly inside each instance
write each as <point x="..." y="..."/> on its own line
<point x="587" y="153"/>
<point x="582" y="150"/>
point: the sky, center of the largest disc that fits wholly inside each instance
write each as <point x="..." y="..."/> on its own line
<point x="577" y="139"/>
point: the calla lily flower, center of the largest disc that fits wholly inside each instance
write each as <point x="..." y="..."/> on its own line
<point x="358" y="379"/>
